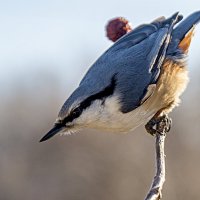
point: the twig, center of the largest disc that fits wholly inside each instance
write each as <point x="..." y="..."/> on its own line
<point x="159" y="179"/>
<point x="115" y="29"/>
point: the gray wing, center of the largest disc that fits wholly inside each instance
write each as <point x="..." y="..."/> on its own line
<point x="135" y="60"/>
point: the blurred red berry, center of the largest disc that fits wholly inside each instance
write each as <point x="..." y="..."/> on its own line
<point x="117" y="27"/>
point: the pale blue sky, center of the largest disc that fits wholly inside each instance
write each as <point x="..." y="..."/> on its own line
<point x="66" y="37"/>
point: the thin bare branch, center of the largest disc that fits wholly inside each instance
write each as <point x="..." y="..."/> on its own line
<point x="155" y="192"/>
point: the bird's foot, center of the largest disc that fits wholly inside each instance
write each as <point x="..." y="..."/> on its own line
<point x="159" y="125"/>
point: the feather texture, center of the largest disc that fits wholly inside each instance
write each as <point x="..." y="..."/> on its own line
<point x="135" y="59"/>
<point x="140" y="76"/>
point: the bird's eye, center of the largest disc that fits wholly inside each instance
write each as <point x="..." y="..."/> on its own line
<point x="76" y="112"/>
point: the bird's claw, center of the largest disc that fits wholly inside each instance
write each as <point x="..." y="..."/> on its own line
<point x="159" y="125"/>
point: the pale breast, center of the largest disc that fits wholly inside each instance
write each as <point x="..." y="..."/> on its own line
<point x="164" y="95"/>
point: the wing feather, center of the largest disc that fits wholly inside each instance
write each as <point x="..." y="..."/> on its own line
<point x="135" y="59"/>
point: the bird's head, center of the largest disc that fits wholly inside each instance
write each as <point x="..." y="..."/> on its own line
<point x="85" y="108"/>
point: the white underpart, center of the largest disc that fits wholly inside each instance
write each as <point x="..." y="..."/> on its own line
<point x="108" y="116"/>
<point x="162" y="97"/>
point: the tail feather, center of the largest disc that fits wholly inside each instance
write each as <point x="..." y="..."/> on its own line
<point x="175" y="18"/>
<point x="179" y="34"/>
<point x="185" y="42"/>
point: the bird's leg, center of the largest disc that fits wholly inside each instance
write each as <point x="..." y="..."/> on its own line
<point x="159" y="124"/>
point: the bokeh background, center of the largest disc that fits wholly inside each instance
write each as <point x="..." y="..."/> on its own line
<point x="45" y="49"/>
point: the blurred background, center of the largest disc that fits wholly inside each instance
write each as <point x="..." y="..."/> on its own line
<point x="45" y="49"/>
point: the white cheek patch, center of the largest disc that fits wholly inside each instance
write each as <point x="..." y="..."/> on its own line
<point x="99" y="113"/>
<point x="90" y="114"/>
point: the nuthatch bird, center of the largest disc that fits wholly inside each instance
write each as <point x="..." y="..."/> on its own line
<point x="138" y="80"/>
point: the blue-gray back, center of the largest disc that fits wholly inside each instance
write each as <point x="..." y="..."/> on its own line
<point x="134" y="60"/>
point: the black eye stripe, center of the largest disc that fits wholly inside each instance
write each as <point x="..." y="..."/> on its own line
<point x="76" y="112"/>
<point x="107" y="91"/>
<point x="73" y="115"/>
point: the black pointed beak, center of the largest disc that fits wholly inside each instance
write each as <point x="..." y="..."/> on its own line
<point x="56" y="129"/>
